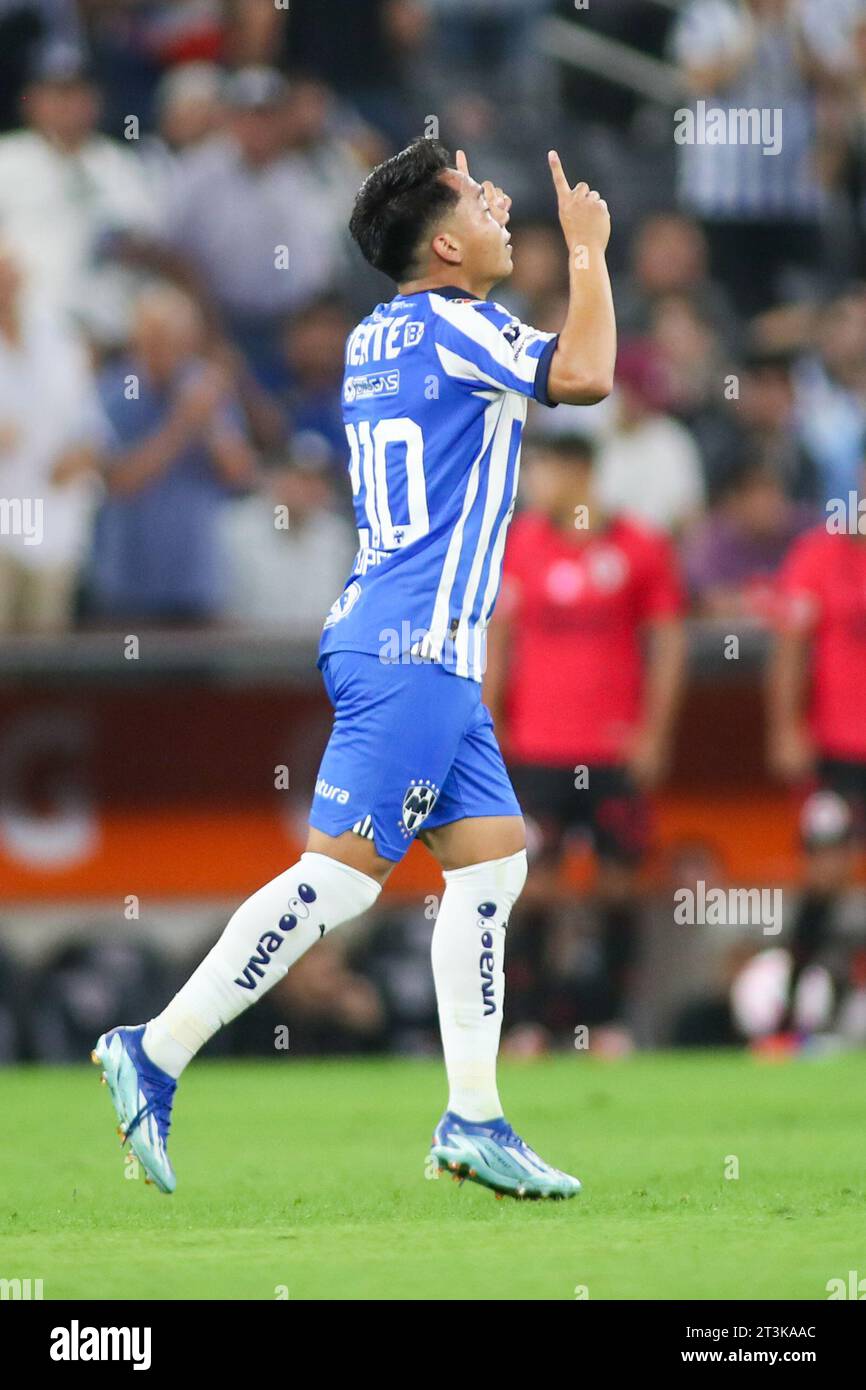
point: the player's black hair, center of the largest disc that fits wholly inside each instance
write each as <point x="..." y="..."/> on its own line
<point x="398" y="202"/>
<point x="571" y="447"/>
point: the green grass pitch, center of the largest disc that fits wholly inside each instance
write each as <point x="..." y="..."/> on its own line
<point x="307" y="1180"/>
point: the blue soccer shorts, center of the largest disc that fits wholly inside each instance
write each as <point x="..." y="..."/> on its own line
<point x="412" y="748"/>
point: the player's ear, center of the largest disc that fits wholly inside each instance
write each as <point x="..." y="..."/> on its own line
<point x="447" y="248"/>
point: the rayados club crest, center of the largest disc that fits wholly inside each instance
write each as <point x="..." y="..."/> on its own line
<point x="421" y="796"/>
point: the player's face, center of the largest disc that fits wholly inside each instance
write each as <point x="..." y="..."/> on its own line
<point x="485" y="245"/>
<point x="554" y="484"/>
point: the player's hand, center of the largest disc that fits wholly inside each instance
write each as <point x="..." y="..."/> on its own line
<point x="583" y="213"/>
<point x="201" y="396"/>
<point x="498" y="201"/>
<point x="80" y="461"/>
<point x="791" y="754"/>
<point x="649" y="759"/>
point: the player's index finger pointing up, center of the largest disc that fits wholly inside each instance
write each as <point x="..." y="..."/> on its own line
<point x="461" y="162"/>
<point x="560" y="181"/>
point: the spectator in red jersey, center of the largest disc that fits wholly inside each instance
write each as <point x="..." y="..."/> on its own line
<point x="586" y="716"/>
<point x="817" y="679"/>
<point x="816" y="723"/>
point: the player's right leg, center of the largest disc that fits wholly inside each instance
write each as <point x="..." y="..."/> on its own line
<point x="477" y="833"/>
<point x="484" y="866"/>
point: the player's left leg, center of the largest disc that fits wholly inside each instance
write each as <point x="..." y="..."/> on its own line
<point x="477" y="834"/>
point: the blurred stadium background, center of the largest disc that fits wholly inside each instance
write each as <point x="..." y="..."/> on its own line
<point x="161" y="716"/>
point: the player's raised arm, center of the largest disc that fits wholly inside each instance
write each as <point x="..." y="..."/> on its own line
<point x="581" y="371"/>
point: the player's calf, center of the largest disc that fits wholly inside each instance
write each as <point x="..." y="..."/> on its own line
<point x="264" y="938"/>
<point x="468" y="953"/>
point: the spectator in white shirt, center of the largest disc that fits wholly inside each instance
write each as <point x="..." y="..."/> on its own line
<point x="758" y="69"/>
<point x="262" y="211"/>
<point x="649" y="466"/>
<point x="65" y="190"/>
<point x="189" y="112"/>
<point x="288" y="551"/>
<point x="51" y="431"/>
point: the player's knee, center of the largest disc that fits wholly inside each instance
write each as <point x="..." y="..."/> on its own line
<point x="354" y="850"/>
<point x="493" y="885"/>
<point x="514" y="871"/>
<point x="476" y="840"/>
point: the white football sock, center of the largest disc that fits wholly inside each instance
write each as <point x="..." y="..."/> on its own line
<point x="468" y="953"/>
<point x="267" y="934"/>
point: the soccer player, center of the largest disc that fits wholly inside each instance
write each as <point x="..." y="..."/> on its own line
<point x="585" y="674"/>
<point x="815" y="719"/>
<point x="435" y="394"/>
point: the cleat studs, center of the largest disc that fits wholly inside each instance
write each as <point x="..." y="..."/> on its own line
<point x="103" y="1080"/>
<point x="95" y="1060"/>
<point x="473" y="1173"/>
<point x="500" y="1196"/>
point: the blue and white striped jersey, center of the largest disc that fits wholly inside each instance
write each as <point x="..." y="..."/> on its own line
<point x="435" y="393"/>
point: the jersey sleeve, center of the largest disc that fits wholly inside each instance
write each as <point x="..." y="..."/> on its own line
<point x="480" y="343"/>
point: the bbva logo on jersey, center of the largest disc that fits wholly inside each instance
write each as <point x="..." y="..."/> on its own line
<point x="371" y="386"/>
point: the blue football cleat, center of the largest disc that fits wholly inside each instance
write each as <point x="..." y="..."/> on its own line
<point x="490" y="1153"/>
<point x="142" y="1094"/>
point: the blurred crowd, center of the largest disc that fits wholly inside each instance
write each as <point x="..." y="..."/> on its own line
<point x="177" y="283"/>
